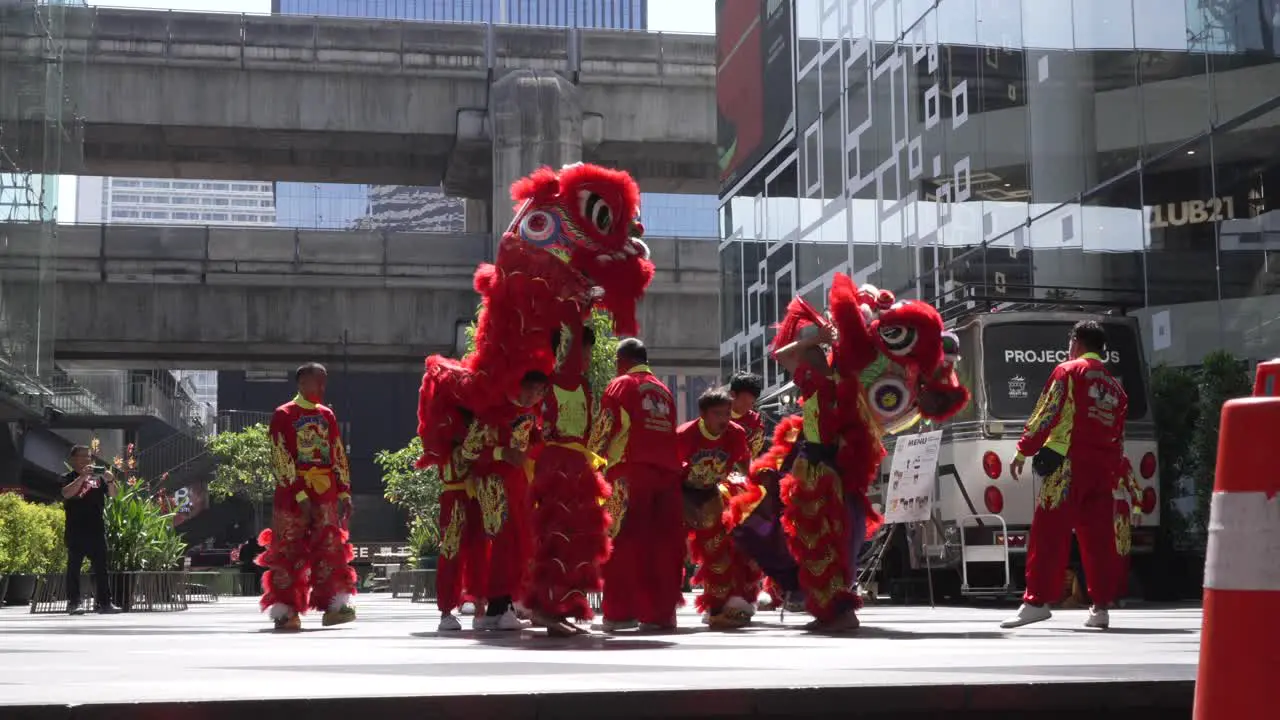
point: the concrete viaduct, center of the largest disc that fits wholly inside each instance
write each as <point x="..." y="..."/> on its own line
<point x="240" y="298"/>
<point x="470" y="107"/>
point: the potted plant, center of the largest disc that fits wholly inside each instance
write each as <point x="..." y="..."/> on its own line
<point x="10" y="536"/>
<point x="424" y="541"/>
<point x="20" y="537"/>
<point x="140" y="532"/>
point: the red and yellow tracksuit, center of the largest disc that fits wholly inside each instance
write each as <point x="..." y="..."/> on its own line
<point x="706" y="462"/>
<point x="307" y="554"/>
<point x="636" y="433"/>
<point x="1080" y="416"/>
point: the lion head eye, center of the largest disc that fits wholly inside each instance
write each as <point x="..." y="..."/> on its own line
<point x="898" y="339"/>
<point x="596" y="210"/>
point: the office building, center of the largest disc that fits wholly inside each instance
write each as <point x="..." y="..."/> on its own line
<point x="1120" y="151"/>
<point x="174" y="202"/>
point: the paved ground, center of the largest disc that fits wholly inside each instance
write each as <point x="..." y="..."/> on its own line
<point x="224" y="651"/>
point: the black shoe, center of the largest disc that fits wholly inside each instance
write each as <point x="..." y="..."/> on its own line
<point x="106" y="609"/>
<point x="74" y="609"/>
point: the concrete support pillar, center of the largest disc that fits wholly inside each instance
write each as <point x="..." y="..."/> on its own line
<point x="476" y="218"/>
<point x="1063" y="159"/>
<point x="536" y="119"/>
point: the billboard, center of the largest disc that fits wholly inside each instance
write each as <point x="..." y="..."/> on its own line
<point x="755" y="82"/>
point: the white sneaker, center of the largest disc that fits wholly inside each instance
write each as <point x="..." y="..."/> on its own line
<point x="505" y="622"/>
<point x="612" y="626"/>
<point x="706" y="618"/>
<point x="1027" y="614"/>
<point x="740" y="605"/>
<point x="482" y="622"/>
<point x="449" y="623"/>
<point x="468" y="608"/>
<point x="1099" y="618"/>
<point x="522" y="612"/>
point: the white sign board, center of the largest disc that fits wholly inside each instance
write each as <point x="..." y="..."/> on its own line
<point x="909" y="496"/>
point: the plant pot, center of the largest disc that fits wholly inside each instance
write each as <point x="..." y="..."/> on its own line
<point x="428" y="562"/>
<point x="21" y="589"/>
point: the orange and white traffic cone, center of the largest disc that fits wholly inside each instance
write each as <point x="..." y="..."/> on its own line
<point x="1240" y="636"/>
<point x="1267" y="381"/>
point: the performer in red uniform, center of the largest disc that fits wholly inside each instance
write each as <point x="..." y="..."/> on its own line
<point x="636" y="433"/>
<point x="307" y="554"/>
<point x="714" y="457"/>
<point x="569" y="519"/>
<point x="744" y="390"/>
<point x="464" y="548"/>
<point x="502" y="474"/>
<point x="1076" y="439"/>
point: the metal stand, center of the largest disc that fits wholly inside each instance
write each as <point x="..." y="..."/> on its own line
<point x="928" y="566"/>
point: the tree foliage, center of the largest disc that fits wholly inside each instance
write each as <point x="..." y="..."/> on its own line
<point x="244" y="465"/>
<point x="415" y="490"/>
<point x="1222" y="377"/>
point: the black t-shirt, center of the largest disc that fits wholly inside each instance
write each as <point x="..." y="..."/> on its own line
<point x="85" y="510"/>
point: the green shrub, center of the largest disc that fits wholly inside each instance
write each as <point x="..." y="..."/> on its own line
<point x="15" y="530"/>
<point x="140" y="534"/>
<point x="32" y="540"/>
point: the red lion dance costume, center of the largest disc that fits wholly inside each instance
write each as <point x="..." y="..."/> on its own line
<point x="890" y="364"/>
<point x="573" y="245"/>
<point x="307" y="554"/>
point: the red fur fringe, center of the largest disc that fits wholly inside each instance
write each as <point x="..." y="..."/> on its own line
<point x="825" y="567"/>
<point x="800" y="314"/>
<point x="570" y="530"/>
<point x="855" y="347"/>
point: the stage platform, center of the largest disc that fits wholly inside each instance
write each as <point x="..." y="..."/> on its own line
<point x="221" y="661"/>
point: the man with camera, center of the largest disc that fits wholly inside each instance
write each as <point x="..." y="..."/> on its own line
<point x="85" y="491"/>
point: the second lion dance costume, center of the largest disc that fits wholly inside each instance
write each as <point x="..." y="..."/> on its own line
<point x="573" y="246"/>
<point x="890" y="364"/>
<point x="307" y="554"/>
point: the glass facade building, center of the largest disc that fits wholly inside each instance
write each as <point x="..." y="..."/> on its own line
<point x="1120" y="152"/>
<point x="426" y="209"/>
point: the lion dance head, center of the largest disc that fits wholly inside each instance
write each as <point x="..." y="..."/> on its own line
<point x="575" y="244"/>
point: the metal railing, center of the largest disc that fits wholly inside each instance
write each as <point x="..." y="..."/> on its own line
<point x="164" y="591"/>
<point x="129" y="392"/>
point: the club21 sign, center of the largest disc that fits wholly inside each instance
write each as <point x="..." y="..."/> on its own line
<point x="1193" y="212"/>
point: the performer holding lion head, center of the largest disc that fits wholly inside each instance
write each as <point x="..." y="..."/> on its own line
<point x="574" y="245"/>
<point x="873" y="365"/>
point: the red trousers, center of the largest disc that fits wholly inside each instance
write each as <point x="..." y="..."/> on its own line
<point x="723" y="572"/>
<point x="1078" y="496"/>
<point x="643" y="577"/>
<point x="307" y="557"/>
<point x="503" y="495"/>
<point x="464" y="551"/>
<point x="571" y="534"/>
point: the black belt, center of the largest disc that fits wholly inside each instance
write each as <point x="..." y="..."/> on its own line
<point x="824" y="453"/>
